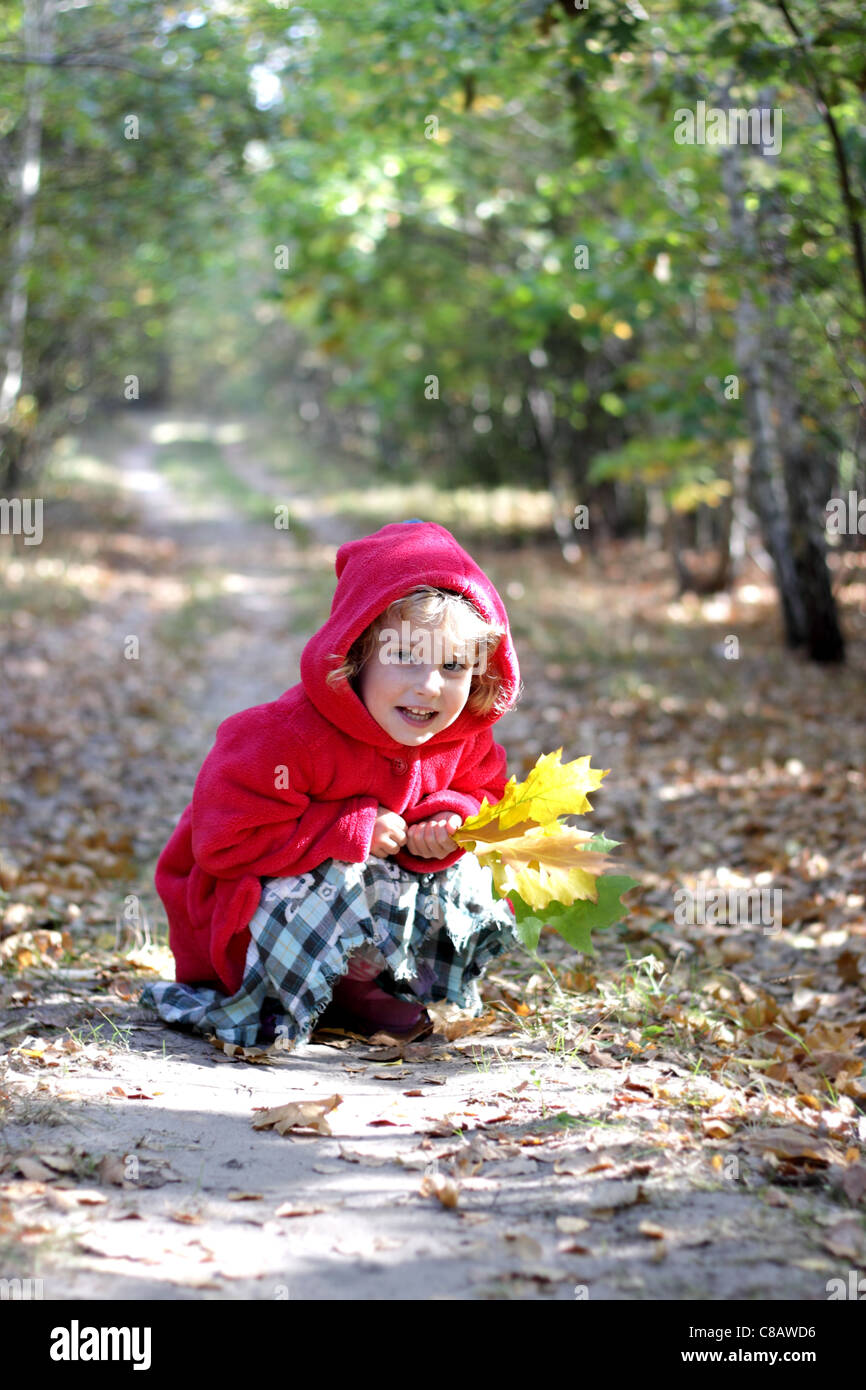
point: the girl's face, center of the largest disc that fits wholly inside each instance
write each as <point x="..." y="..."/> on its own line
<point x="418" y="681"/>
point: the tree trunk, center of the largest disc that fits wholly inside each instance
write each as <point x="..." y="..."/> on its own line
<point x="766" y="485"/>
<point x="658" y="522"/>
<point x="707" y="580"/>
<point x="741" y="516"/>
<point x="804" y="467"/>
<point x="785" y="466"/>
<point x="851" y="203"/>
<point x="540" y="405"/>
<point x="38" y="39"/>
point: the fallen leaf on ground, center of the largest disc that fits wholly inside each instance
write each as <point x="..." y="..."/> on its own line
<point x="637" y="1169"/>
<point x="358" y="1156"/>
<point x="398" y="1046"/>
<point x="525" y="1246"/>
<point x="438" y="1185"/>
<point x="649" y="1228"/>
<point x="776" y="1198"/>
<point x="442" y="1125"/>
<point x="594" y="1058"/>
<point x="68" y="1198"/>
<point x="28" y="948"/>
<point x="571" y="1225"/>
<point x="462" y="1027"/>
<point x="716" y="1129"/>
<point x="541" y="1274"/>
<point x="112" y="1169"/>
<point x="416" y="1161"/>
<point x="113" y="1245"/>
<point x="630" y="1084"/>
<point x="49" y="1054"/>
<point x="61" y="1163"/>
<point x="30" y="1167"/>
<point x="812" y="1102"/>
<point x="30" y="1234"/>
<point x="300" y="1114"/>
<point x="21" y="1191"/>
<point x="618" y="1194"/>
<point x="790" y="1143"/>
<point x="125" y="1214"/>
<point x="853" y="1182"/>
<point x="847" y="1240"/>
<point x="575" y="1165"/>
<point x="241" y="1054"/>
<point x="287" y="1209"/>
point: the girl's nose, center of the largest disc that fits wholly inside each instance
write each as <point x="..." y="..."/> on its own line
<point x="429" y="681"/>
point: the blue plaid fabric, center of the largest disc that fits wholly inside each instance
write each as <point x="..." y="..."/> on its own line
<point x="435" y="933"/>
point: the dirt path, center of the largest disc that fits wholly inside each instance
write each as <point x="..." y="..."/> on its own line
<point x="487" y="1165"/>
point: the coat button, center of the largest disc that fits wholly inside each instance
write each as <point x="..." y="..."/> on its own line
<point x="399" y="764"/>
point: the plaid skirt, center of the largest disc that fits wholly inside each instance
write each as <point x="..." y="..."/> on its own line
<point x="433" y="934"/>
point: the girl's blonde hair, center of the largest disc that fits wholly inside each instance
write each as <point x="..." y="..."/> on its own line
<point x="430" y="606"/>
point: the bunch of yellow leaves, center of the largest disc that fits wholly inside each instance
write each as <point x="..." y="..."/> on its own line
<point x="550" y="872"/>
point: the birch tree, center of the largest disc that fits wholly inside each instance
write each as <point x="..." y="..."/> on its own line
<point x="38" y="28"/>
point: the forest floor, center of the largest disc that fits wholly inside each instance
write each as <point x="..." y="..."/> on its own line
<point x="681" y="1116"/>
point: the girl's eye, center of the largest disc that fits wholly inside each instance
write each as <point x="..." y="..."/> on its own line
<point x="454" y="665"/>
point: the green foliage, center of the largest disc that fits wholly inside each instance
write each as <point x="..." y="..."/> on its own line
<point x="689" y="470"/>
<point x="431" y="173"/>
<point x="124" y="223"/>
<point x="576" y="922"/>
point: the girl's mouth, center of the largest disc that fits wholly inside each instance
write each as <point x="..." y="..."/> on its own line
<point x="414" y="715"/>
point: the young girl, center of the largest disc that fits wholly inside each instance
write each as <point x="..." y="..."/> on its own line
<point x="313" y="877"/>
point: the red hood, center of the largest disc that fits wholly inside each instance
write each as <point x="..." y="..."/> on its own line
<point x="371" y="573"/>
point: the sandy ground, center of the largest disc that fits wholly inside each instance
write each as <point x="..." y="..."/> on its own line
<point x="471" y="1167"/>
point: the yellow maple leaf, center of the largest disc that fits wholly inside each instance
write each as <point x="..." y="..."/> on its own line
<point x="546" y="865"/>
<point x="528" y="850"/>
<point x="551" y="789"/>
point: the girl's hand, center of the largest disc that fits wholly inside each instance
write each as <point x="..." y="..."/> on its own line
<point x="430" y="839"/>
<point x="389" y="833"/>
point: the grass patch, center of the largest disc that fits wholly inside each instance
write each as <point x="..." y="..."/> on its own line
<point x="503" y="513"/>
<point x="370" y="495"/>
<point x="83" y="503"/>
<point x="205" y="613"/>
<point x="360" y="490"/>
<point x="106" y="1034"/>
<point x="45" y="598"/>
<point x="84" y="490"/>
<point x="563" y="1120"/>
<point x="32" y="1108"/>
<point x="199" y="472"/>
<point x="308" y="602"/>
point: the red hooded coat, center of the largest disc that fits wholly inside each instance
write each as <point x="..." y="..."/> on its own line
<point x="243" y="824"/>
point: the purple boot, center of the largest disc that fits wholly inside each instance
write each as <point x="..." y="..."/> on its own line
<point x="363" y="1007"/>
